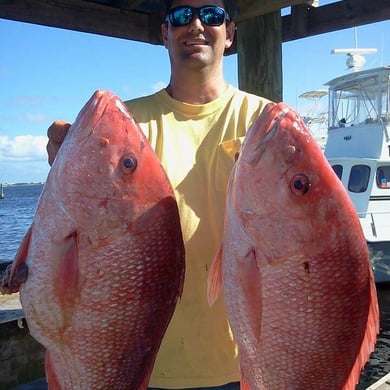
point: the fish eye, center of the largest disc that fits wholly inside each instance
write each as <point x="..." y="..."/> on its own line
<point x="300" y="184"/>
<point x="128" y="163"/>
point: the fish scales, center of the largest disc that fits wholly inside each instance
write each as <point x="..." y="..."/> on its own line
<point x="294" y="265"/>
<point x="105" y="254"/>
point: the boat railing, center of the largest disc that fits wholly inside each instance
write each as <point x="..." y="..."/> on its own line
<point x="373" y="217"/>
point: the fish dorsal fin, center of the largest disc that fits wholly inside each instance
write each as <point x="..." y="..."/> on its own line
<point x="369" y="340"/>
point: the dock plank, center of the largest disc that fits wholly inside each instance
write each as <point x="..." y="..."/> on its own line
<point x="10" y="308"/>
<point x="382" y="384"/>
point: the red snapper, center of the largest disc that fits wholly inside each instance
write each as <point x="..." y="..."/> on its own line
<point x="294" y="265"/>
<point x="104" y="254"/>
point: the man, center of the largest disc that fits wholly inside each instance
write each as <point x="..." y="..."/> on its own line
<point x="196" y="125"/>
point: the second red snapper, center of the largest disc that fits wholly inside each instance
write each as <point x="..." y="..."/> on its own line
<point x="105" y="255"/>
<point x="294" y="265"/>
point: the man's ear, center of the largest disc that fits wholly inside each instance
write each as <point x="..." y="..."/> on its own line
<point x="164" y="33"/>
<point x="230" y="30"/>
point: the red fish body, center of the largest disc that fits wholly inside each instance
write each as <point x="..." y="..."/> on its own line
<point x="105" y="255"/>
<point x="294" y="265"/>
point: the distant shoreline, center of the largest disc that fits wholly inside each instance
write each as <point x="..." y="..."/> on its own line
<point x="23" y="184"/>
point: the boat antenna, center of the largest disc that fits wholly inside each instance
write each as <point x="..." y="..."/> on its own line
<point x="355" y="60"/>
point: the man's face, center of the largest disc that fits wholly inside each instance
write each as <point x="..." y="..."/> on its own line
<point x="197" y="44"/>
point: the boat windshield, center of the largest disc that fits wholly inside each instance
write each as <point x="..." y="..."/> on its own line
<point x="338" y="170"/>
<point x="360" y="101"/>
<point x="358" y="178"/>
<point x="383" y="176"/>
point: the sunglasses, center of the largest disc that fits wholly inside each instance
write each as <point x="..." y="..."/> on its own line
<point x="210" y="15"/>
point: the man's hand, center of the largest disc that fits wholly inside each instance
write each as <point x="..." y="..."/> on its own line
<point x="12" y="285"/>
<point x="56" y="133"/>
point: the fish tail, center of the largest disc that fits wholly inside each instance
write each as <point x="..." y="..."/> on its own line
<point x="369" y="340"/>
<point x="214" y="280"/>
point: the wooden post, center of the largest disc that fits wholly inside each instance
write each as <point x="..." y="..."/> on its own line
<point x="259" y="51"/>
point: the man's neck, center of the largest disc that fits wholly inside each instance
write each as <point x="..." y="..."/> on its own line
<point x="196" y="90"/>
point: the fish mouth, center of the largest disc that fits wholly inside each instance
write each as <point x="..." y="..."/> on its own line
<point x="270" y="131"/>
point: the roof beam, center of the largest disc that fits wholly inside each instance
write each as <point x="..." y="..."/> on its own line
<point x="251" y="8"/>
<point x="308" y="21"/>
<point x="86" y="17"/>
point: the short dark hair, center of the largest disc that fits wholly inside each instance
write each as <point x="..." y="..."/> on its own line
<point x="230" y="7"/>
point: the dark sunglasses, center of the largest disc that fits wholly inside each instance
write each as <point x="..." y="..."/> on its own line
<point x="210" y="15"/>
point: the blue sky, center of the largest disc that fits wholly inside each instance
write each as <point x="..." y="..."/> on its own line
<point x="48" y="74"/>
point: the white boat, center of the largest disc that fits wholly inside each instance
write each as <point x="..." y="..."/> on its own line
<point x="358" y="148"/>
<point x="316" y="119"/>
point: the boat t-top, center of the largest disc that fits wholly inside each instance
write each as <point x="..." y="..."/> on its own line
<point x="358" y="148"/>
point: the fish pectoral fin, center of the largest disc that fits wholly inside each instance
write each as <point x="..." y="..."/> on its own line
<point x="17" y="273"/>
<point x="249" y="287"/>
<point x="66" y="269"/>
<point x="214" y="280"/>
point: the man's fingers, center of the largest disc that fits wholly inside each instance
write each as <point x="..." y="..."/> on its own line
<point x="56" y="134"/>
<point x="57" y="131"/>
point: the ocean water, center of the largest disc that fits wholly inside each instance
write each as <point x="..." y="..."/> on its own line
<point x="16" y="214"/>
<point x="17" y="211"/>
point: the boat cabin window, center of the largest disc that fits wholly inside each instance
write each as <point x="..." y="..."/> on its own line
<point x="338" y="170"/>
<point x="358" y="178"/>
<point x="360" y="101"/>
<point x="383" y="176"/>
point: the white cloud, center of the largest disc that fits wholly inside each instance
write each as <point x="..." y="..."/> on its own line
<point x="23" y="148"/>
<point x="36" y="118"/>
<point x="29" y="100"/>
<point x="25" y="118"/>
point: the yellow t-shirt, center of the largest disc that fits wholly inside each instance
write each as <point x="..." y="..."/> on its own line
<point x="197" y="145"/>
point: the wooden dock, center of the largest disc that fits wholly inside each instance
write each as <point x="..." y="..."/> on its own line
<point x="382" y="384"/>
<point x="21" y="356"/>
<point x="10" y="308"/>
